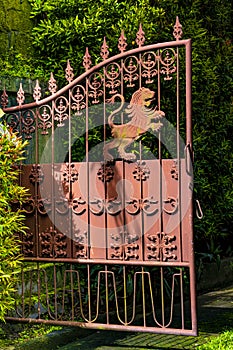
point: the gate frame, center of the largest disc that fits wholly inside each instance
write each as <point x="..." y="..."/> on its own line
<point x="55" y="94"/>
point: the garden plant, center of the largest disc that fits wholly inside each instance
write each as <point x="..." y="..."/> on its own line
<point x="12" y="196"/>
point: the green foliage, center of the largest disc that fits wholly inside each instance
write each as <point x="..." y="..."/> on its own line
<point x="223" y="342"/>
<point x="16" y="65"/>
<point x="65" y="28"/>
<point x="213" y="122"/>
<point x="11" y="220"/>
<point x="19" y="334"/>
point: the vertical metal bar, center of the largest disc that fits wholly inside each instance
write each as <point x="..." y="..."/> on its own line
<point x="55" y="290"/>
<point x="189" y="94"/>
<point x="143" y="299"/>
<point x="182" y="298"/>
<point x="23" y="300"/>
<point x="87" y="170"/>
<point x="70" y="143"/>
<point x="162" y="295"/>
<point x="178" y="149"/>
<point x="105" y="183"/>
<point x="89" y="291"/>
<point x="106" y="294"/>
<point x="160" y="175"/>
<point x="30" y="291"/>
<point x="123" y="172"/>
<point x="37" y="238"/>
<point x="38" y="287"/>
<point x="72" y="291"/>
<point x="53" y="198"/>
<point x="63" y="293"/>
<point x="122" y="86"/>
<point x="70" y="182"/>
<point x="140" y="85"/>
<point x="125" y="293"/>
<point x="20" y="166"/>
<point x="140" y="162"/>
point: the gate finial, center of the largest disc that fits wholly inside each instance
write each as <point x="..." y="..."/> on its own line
<point x="177" y="32"/>
<point x="69" y="72"/>
<point x="104" y="50"/>
<point x="37" y="91"/>
<point x="87" y="60"/>
<point x="140" y="39"/>
<point x="20" y="95"/>
<point x="122" y="44"/>
<point x="52" y="84"/>
<point x="4" y="98"/>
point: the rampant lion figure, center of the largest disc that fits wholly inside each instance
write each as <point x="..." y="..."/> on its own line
<point x="143" y="119"/>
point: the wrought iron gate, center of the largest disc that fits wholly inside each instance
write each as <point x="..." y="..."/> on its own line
<point x="109" y="168"/>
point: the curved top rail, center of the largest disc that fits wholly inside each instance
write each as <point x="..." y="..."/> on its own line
<point x="93" y="69"/>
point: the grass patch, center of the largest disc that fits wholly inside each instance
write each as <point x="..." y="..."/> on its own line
<point x="223" y="342"/>
<point x="15" y="334"/>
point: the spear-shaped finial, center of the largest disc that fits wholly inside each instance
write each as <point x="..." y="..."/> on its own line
<point x="87" y="60"/>
<point x="177" y="32"/>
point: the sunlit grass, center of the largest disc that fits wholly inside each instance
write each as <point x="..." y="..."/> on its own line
<point x="223" y="342"/>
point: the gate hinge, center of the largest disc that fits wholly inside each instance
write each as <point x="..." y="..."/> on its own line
<point x="189" y="155"/>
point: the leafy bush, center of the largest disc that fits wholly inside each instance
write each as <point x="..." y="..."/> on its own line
<point x="64" y="28"/>
<point x="11" y="220"/>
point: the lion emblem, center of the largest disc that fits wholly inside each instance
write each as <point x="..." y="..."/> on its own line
<point x="142" y="117"/>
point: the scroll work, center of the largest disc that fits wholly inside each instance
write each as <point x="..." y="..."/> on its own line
<point x="142" y="117"/>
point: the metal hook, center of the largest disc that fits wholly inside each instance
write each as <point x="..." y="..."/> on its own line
<point x="199" y="212"/>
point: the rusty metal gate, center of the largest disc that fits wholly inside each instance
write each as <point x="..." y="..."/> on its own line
<point x="109" y="168"/>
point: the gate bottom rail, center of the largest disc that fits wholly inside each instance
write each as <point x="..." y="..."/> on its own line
<point x="111" y="297"/>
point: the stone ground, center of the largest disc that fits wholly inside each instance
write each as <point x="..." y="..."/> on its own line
<point x="215" y="314"/>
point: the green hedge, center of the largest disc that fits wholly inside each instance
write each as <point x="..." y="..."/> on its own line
<point x="11" y="217"/>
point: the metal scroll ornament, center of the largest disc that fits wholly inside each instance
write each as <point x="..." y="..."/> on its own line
<point x="174" y="171"/>
<point x="80" y="242"/>
<point x="149" y="64"/>
<point x="124" y="246"/>
<point x="141" y="171"/>
<point x="44" y="119"/>
<point x="70" y="173"/>
<point x="53" y="243"/>
<point x="61" y="108"/>
<point x="78" y="94"/>
<point x="36" y="174"/>
<point x="147" y="205"/>
<point x="42" y="206"/>
<point x="105" y="173"/>
<point x="161" y="247"/>
<point x="28" y="127"/>
<point x="110" y="206"/>
<point x="28" y="244"/>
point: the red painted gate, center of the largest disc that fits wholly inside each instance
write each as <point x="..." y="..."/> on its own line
<point x="109" y="168"/>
